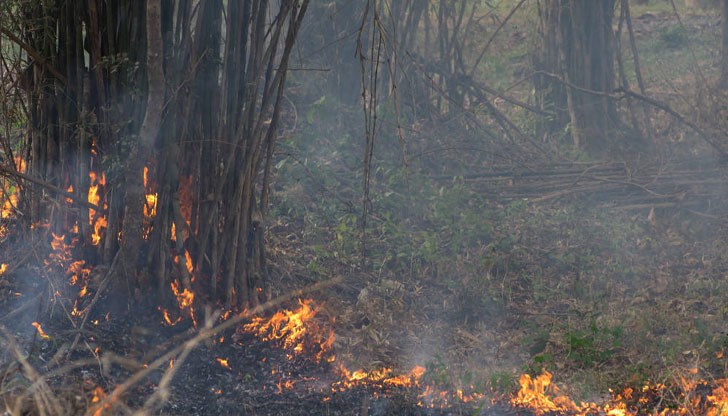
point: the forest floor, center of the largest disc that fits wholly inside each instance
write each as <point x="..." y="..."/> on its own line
<point x="606" y="280"/>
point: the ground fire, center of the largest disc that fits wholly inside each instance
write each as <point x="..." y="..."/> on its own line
<point x="371" y="208"/>
<point x="304" y="335"/>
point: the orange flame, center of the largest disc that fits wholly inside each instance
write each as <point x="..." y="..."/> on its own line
<point x="98" y="395"/>
<point x="188" y="262"/>
<point x="185" y="302"/>
<point x="96" y="219"/>
<point x="536" y="394"/>
<point x="9" y="192"/>
<point x="150" y="208"/>
<point x="223" y="362"/>
<point x="296" y="330"/>
<point x="40" y="330"/>
<point x="3" y="268"/>
<point x="541" y="397"/>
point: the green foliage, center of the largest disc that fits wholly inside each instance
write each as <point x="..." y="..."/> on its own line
<point x="674" y="37"/>
<point x="502" y="382"/>
<point x="539" y="364"/>
<point x="437" y="372"/>
<point x="594" y="345"/>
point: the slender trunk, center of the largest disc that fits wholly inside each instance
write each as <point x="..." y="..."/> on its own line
<point x="134" y="196"/>
<point x="724" y="58"/>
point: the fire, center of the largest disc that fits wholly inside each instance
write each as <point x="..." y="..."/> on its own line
<point x="541" y="397"/>
<point x="297" y="331"/>
<point x="9" y="193"/>
<point x="77" y="272"/>
<point x="98" y="395"/>
<point x="70" y="191"/>
<point x="284" y="385"/>
<point x="223" y="362"/>
<point x="185" y="302"/>
<point x="99" y="224"/>
<point x="535" y="394"/>
<point x="168" y="320"/>
<point x="188" y="262"/>
<point x="40" y="331"/>
<point x="96" y="219"/>
<point x="383" y="376"/>
<point x="3" y="268"/>
<point x="61" y="255"/>
<point x="719" y="398"/>
<point x="150" y="208"/>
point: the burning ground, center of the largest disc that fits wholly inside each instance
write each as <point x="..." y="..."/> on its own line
<point x="480" y="286"/>
<point x="287" y="359"/>
<point x="596" y="303"/>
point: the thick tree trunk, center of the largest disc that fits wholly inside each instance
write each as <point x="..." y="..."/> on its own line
<point x="575" y="71"/>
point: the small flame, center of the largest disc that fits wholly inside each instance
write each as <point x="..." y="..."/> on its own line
<point x="98" y="395"/>
<point x="284" y="385"/>
<point x="96" y="219"/>
<point x="223" y="362"/>
<point x="535" y="394"/>
<point x="40" y="330"/>
<point x="185" y="302"/>
<point x="150" y="208"/>
<point x="3" y="268"/>
<point x="382" y="376"/>
<point x="168" y="320"/>
<point x="9" y="192"/>
<point x="70" y="191"/>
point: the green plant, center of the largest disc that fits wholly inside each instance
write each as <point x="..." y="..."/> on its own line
<point x="595" y="345"/>
<point x="502" y="382"/>
<point x="674" y="37"/>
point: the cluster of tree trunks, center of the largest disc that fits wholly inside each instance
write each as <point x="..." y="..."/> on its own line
<point x="188" y="91"/>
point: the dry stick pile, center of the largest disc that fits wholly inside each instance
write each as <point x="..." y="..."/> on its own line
<point x="698" y="189"/>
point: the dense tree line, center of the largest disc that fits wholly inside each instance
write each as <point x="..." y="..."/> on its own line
<point x="178" y="100"/>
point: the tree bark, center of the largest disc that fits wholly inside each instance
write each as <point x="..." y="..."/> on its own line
<point x="134" y="195"/>
<point x="724" y="57"/>
<point x="575" y="71"/>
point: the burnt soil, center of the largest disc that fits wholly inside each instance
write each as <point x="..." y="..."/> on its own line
<point x="251" y="385"/>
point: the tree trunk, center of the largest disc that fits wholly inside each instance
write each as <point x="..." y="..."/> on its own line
<point x="724" y="57"/>
<point x="134" y="196"/>
<point x="575" y="71"/>
<point x="171" y="87"/>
